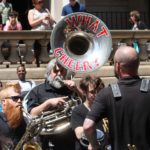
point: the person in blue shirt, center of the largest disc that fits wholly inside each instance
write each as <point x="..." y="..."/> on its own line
<point x="73" y="6"/>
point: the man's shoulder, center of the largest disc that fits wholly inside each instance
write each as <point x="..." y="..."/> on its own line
<point x="39" y="86"/>
<point x="67" y="6"/>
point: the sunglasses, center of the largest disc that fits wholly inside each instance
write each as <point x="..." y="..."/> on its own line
<point x="15" y="98"/>
<point x="40" y="2"/>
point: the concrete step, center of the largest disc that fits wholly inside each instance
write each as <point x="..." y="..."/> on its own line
<point x="37" y="74"/>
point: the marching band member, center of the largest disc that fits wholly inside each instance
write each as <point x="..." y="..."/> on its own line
<point x="90" y="86"/>
<point x="12" y="122"/>
<point x="126" y="105"/>
<point x="50" y="95"/>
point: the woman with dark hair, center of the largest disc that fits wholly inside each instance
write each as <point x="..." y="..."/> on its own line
<point x="90" y="87"/>
<point x="135" y="20"/>
<point x="12" y="23"/>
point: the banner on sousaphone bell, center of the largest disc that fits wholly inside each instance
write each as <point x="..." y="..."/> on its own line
<point x="81" y="42"/>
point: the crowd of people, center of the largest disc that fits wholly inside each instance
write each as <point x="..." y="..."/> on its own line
<point x="40" y="18"/>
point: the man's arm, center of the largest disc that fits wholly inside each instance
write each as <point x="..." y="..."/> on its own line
<point x="79" y="132"/>
<point x="73" y="87"/>
<point x="90" y="133"/>
<point x="52" y="102"/>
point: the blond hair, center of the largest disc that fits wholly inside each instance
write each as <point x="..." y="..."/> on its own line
<point x="11" y="84"/>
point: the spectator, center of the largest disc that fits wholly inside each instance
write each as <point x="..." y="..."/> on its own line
<point x="5" y="9"/>
<point x="135" y="20"/>
<point x="40" y="18"/>
<point x="72" y="7"/>
<point x="26" y="85"/>
<point x="13" y="23"/>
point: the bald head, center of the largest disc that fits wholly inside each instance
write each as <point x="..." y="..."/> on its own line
<point x="128" y="59"/>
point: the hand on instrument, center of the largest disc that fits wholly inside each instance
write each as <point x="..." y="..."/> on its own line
<point x="60" y="101"/>
<point x="70" y="84"/>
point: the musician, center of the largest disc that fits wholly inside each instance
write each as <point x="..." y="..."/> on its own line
<point x="90" y="86"/>
<point x="39" y="17"/>
<point x="51" y="94"/>
<point x="12" y="123"/>
<point x="125" y="104"/>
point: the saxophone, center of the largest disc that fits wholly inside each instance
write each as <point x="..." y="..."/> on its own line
<point x="28" y="140"/>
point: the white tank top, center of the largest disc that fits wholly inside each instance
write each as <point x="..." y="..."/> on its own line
<point x="44" y="25"/>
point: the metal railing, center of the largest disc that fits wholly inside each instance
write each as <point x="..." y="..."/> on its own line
<point x="11" y="50"/>
<point x="119" y="20"/>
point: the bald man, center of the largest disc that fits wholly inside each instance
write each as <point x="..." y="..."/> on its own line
<point x="126" y="104"/>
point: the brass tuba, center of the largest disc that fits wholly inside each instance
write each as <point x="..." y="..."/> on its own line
<point x="81" y="42"/>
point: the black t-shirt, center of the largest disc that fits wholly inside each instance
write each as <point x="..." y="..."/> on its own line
<point x="65" y="140"/>
<point x="43" y="92"/>
<point x="132" y="114"/>
<point x="13" y="136"/>
<point x="77" y="119"/>
<point x="141" y="25"/>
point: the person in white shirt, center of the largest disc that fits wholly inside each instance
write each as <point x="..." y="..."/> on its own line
<point x="26" y="85"/>
<point x="5" y="9"/>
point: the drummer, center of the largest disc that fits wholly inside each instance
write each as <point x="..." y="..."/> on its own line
<point x="90" y="86"/>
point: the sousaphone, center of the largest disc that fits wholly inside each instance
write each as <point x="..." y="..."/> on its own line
<point x="81" y="42"/>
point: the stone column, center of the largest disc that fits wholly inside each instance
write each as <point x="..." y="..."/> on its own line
<point x="57" y="9"/>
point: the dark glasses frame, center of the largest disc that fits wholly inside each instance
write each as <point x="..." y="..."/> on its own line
<point x="15" y="98"/>
<point x="40" y="2"/>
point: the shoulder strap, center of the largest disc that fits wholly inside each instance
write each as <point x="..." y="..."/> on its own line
<point x="116" y="93"/>
<point x="144" y="85"/>
<point x="115" y="90"/>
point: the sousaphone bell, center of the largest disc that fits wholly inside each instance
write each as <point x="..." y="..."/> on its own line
<point x="81" y="42"/>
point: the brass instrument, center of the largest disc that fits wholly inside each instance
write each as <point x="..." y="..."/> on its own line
<point x="81" y="43"/>
<point x="58" y="120"/>
<point x="105" y="125"/>
<point x="33" y="128"/>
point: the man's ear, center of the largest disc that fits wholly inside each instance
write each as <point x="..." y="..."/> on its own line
<point x="3" y="102"/>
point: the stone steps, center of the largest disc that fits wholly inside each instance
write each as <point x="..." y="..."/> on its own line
<point x="106" y="73"/>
